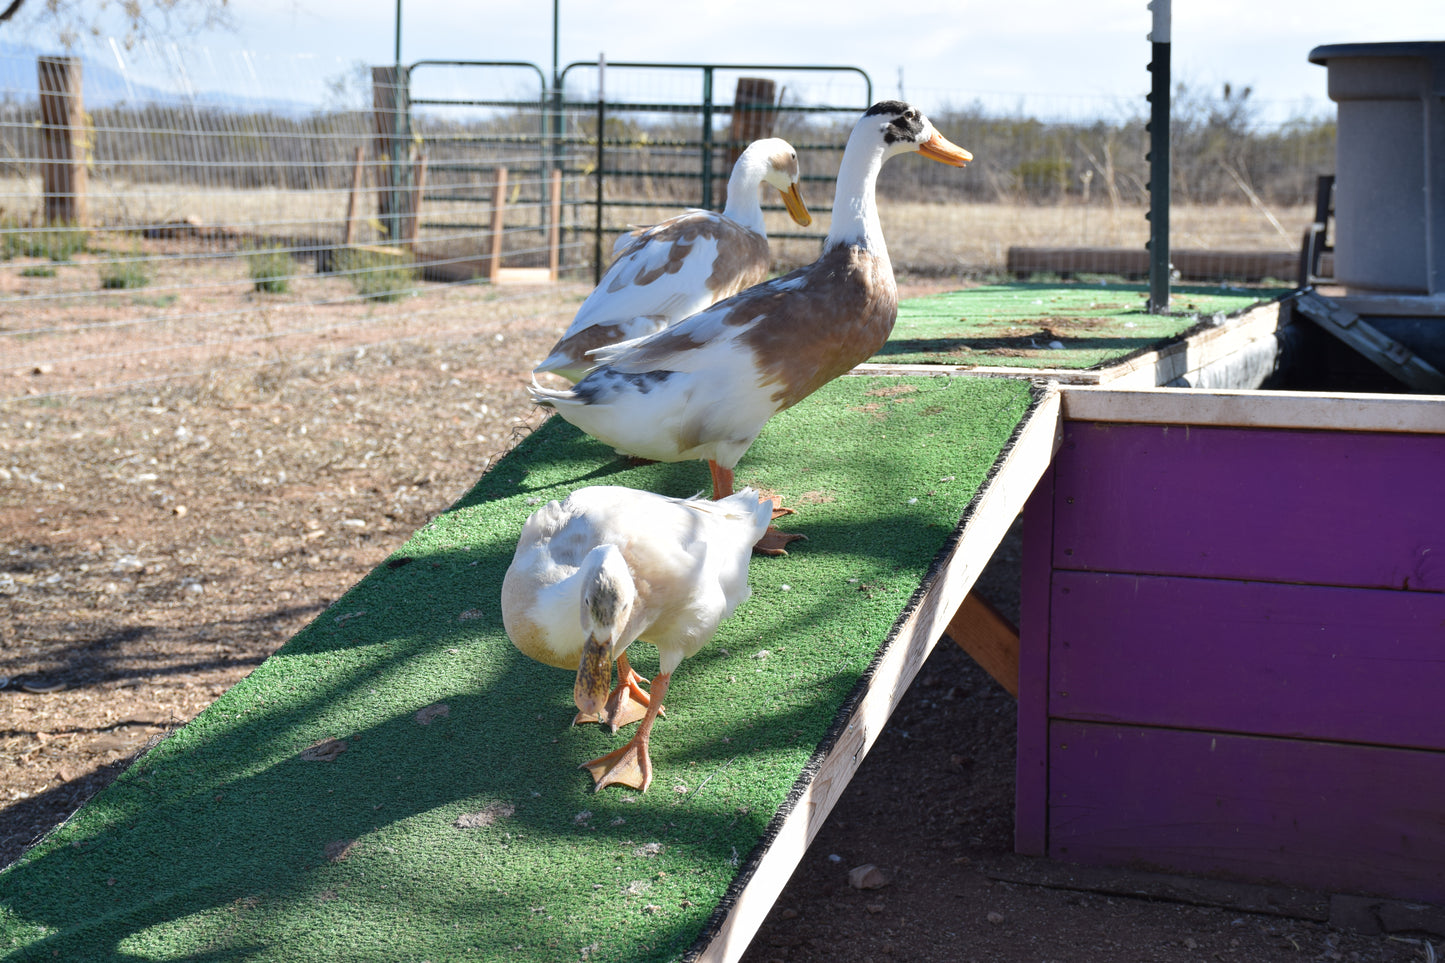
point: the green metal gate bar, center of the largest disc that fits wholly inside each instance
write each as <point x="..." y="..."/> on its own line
<point x="556" y="150"/>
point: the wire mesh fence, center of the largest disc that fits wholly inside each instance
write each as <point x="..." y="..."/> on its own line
<point x="162" y="210"/>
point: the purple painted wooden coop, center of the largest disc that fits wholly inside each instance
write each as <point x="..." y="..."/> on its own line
<point x="1232" y="650"/>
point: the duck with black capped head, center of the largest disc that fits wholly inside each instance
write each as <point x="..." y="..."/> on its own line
<point x="705" y="387"/>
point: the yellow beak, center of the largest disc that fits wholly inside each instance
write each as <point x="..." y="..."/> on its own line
<point x="594" y="675"/>
<point x="943" y="150"/>
<point x="797" y="210"/>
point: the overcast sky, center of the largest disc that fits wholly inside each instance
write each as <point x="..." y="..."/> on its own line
<point x="1051" y="50"/>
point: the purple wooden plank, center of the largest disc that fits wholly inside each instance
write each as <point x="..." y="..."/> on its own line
<point x="1333" y="508"/>
<point x="1341" y="664"/>
<point x="1031" y="784"/>
<point x="1321" y="815"/>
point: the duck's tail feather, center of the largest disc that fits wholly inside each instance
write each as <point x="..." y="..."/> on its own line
<point x="549" y="397"/>
<point x="745" y="504"/>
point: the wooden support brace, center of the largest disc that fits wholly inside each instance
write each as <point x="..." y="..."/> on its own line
<point x="554" y="224"/>
<point x="499" y="210"/>
<point x="991" y="639"/>
<point x="413" y="215"/>
<point x="357" y="172"/>
<point x="413" y="208"/>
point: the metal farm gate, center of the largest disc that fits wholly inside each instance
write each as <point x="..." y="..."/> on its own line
<point x="514" y="175"/>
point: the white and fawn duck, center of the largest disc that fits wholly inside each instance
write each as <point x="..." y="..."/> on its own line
<point x="675" y="268"/>
<point x="706" y="386"/>
<point x="608" y="566"/>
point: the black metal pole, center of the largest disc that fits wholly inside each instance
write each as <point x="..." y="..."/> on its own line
<point x="1158" y="157"/>
<point x="706" y="139"/>
<point x="601" y="156"/>
<point x="552" y="124"/>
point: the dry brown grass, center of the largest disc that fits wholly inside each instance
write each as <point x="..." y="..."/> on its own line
<point x="200" y="312"/>
<point x="974" y="238"/>
<point x="928" y="238"/>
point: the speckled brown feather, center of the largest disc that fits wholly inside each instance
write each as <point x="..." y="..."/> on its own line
<point x="843" y="319"/>
<point x="801" y="336"/>
<point x="590" y="338"/>
<point x="742" y="255"/>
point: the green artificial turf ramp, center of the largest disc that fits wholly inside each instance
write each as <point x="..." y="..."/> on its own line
<point x="1071" y="326"/>
<point x="449" y="819"/>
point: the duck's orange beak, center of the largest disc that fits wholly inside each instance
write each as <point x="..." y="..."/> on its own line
<point x="797" y="210"/>
<point x="944" y="151"/>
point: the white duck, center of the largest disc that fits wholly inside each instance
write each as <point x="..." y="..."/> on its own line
<point x="610" y="565"/>
<point x="704" y="387"/>
<point x="670" y="270"/>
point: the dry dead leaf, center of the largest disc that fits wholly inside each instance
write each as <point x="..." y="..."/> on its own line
<point x="324" y="751"/>
<point x="437" y="710"/>
<point x="486" y="817"/>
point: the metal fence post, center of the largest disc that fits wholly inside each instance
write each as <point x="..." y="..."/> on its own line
<point x="601" y="158"/>
<point x="1158" y="157"/>
<point x="706" y="138"/>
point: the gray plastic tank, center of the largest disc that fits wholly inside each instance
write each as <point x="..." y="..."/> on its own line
<point x="1389" y="165"/>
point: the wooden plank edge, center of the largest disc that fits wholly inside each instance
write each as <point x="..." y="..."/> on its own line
<point x="989" y="638"/>
<point x="985" y="523"/>
<point x="1162" y="365"/>
<point x="1337" y="411"/>
<point x="1080" y="376"/>
<point x="1148" y="368"/>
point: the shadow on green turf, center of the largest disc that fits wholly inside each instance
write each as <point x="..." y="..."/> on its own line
<point x="225" y="843"/>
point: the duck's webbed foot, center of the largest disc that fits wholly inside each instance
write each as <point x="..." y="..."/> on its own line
<point x="775" y="542"/>
<point x="628" y="766"/>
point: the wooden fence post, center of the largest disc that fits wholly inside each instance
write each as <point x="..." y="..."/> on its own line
<point x="753" y="114"/>
<point x="753" y="118"/>
<point x="389" y="110"/>
<point x="63" y="141"/>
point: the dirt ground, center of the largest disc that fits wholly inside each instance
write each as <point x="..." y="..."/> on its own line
<point x="158" y="543"/>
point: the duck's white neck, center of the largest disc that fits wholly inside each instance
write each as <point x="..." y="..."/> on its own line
<point x="744" y="206"/>
<point x="855" y="207"/>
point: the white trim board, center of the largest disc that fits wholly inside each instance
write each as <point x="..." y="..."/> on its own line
<point x="1337" y="411"/>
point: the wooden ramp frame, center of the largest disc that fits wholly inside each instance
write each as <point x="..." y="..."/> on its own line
<point x="946" y="605"/>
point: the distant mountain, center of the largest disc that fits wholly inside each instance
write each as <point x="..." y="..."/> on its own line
<point x="160" y="76"/>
